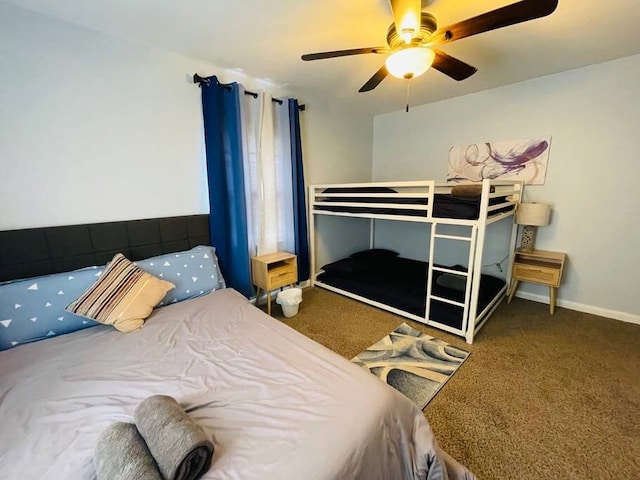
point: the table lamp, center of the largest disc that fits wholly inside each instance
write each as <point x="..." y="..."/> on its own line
<point x="531" y="215"/>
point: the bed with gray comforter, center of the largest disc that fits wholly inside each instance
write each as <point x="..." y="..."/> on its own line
<point x="275" y="404"/>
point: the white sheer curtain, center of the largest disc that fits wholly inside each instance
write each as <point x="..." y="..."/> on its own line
<point x="268" y="174"/>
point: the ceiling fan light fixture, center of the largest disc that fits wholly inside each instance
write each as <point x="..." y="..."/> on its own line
<point x="410" y="62"/>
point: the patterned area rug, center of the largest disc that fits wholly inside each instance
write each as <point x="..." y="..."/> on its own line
<point x="412" y="362"/>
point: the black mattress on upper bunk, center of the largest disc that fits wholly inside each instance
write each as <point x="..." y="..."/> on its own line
<point x="402" y="283"/>
<point x="445" y="205"/>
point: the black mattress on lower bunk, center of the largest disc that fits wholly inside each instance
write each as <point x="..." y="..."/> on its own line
<point x="402" y="283"/>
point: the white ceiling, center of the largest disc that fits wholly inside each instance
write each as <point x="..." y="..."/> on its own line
<point x="265" y="38"/>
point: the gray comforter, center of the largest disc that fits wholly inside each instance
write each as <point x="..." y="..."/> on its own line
<point x="276" y="404"/>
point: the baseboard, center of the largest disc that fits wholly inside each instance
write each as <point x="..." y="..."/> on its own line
<point x="581" y="307"/>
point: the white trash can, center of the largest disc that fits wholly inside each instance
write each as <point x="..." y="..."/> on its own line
<point x="290" y="300"/>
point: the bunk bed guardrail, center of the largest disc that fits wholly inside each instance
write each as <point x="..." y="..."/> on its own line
<point x="414" y="201"/>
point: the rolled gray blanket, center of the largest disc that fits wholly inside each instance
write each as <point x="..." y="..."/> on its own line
<point x="121" y="454"/>
<point x="178" y="444"/>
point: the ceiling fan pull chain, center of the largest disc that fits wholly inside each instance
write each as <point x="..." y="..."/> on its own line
<point x="408" y="91"/>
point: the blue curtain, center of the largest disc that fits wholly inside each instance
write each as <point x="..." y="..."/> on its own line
<point x="299" y="203"/>
<point x="227" y="205"/>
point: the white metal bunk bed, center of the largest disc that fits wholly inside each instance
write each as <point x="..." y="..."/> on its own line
<point x="414" y="201"/>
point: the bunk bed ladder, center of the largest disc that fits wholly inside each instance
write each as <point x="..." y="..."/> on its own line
<point x="467" y="274"/>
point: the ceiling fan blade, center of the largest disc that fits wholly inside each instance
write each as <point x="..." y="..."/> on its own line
<point x="406" y="16"/>
<point x="502" y="17"/>
<point x="374" y="81"/>
<point x="452" y="67"/>
<point x="343" y="53"/>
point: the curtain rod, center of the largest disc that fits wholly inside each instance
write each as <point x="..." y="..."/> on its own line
<point x="198" y="79"/>
<point x="255" y="95"/>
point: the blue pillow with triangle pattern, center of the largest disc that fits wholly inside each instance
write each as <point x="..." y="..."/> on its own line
<point x="194" y="272"/>
<point x="34" y="308"/>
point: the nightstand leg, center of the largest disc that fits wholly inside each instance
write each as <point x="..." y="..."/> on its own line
<point x="552" y="299"/>
<point x="514" y="287"/>
<point x="257" y="296"/>
<point x="269" y="303"/>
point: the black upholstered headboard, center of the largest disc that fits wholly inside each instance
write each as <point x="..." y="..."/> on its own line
<point x="40" y="251"/>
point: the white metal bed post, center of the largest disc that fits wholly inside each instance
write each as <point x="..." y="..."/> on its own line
<point x="469" y="283"/>
<point x="519" y="187"/>
<point x="432" y="246"/>
<point x="312" y="234"/>
<point x="477" y="264"/>
<point x="431" y="199"/>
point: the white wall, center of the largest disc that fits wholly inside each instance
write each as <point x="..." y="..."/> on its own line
<point x="337" y="143"/>
<point x="337" y="149"/>
<point x="94" y="128"/>
<point x="593" y="116"/>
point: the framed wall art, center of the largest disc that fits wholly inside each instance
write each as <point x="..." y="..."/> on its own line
<point x="509" y="160"/>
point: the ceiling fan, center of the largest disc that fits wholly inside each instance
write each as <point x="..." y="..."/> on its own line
<point x="413" y="36"/>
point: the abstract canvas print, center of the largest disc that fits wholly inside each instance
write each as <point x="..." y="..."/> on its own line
<point x="511" y="160"/>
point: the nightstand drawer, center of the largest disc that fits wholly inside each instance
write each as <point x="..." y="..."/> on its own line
<point x="537" y="274"/>
<point x="282" y="276"/>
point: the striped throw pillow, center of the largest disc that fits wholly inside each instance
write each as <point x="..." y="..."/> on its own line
<point x="123" y="296"/>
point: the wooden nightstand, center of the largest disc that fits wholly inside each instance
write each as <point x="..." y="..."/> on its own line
<point x="273" y="270"/>
<point x="538" y="266"/>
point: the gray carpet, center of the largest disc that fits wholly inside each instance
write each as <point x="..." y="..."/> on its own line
<point x="414" y="363"/>
<point x="540" y="397"/>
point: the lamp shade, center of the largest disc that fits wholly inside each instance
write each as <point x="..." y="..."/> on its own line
<point x="410" y="62"/>
<point x="537" y="214"/>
